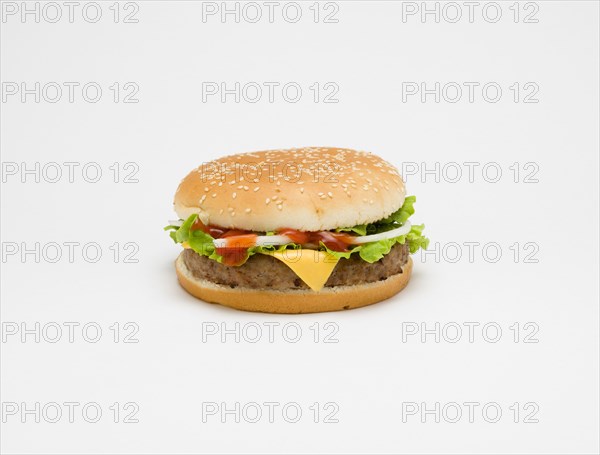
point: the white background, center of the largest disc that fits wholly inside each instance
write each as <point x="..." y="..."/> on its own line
<point x="371" y="371"/>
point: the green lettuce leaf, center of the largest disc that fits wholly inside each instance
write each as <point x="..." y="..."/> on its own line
<point x="199" y="241"/>
<point x="273" y="248"/>
<point x="373" y="252"/>
<point x="416" y="239"/>
<point x="360" y="229"/>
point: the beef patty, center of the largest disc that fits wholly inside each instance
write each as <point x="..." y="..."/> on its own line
<point x="265" y="272"/>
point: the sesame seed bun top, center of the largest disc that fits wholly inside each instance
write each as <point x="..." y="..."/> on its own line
<point x="309" y="189"/>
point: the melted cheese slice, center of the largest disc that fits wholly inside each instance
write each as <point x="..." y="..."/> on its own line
<point x="312" y="266"/>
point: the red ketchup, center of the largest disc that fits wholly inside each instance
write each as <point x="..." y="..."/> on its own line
<point x="335" y="241"/>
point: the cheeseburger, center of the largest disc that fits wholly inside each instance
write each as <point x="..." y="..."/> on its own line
<point x="295" y="231"/>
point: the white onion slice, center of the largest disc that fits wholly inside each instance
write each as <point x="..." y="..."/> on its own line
<point x="261" y="240"/>
<point x="402" y="230"/>
<point x="268" y="240"/>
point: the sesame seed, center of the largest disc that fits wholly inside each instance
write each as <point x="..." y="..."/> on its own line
<point x="330" y="194"/>
<point x="274" y="197"/>
<point x="256" y="189"/>
<point x="267" y="200"/>
<point x="248" y="210"/>
<point x="302" y="190"/>
<point x="234" y="195"/>
<point x="214" y="195"/>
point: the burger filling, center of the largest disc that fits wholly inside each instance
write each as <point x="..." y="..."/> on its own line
<point x="318" y="259"/>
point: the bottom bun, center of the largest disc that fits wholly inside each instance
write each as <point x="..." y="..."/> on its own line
<point x="293" y="301"/>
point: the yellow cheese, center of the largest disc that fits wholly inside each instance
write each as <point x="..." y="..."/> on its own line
<point x="312" y="266"/>
<point x="185" y="244"/>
